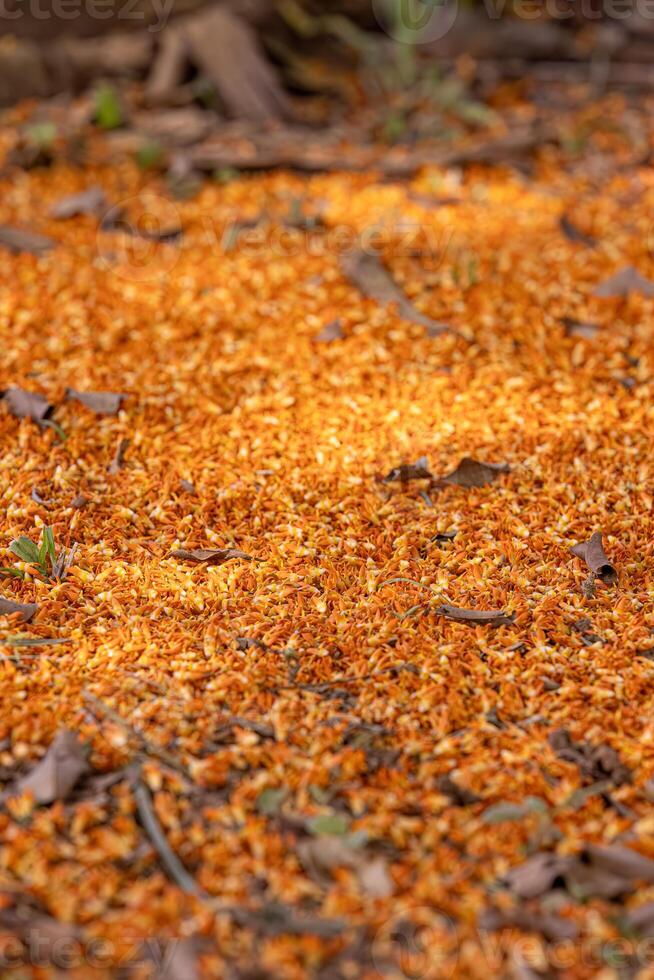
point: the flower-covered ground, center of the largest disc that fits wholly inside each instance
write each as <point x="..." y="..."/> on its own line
<point x="287" y="755"/>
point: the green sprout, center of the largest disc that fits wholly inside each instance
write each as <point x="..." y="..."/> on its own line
<point x="44" y="558"/>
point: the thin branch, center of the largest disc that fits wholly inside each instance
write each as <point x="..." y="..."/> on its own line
<point x="174" y="867"/>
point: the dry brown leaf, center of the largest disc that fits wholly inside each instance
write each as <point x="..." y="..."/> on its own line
<point x="90" y="201"/>
<point x="209" y="556"/>
<point x="21" y="915"/>
<point x="324" y="854"/>
<point x="577" y="328"/>
<point x="627" y="280"/>
<point x="100" y="402"/>
<point x="188" y="487"/>
<point x="574" y="234"/>
<point x="472" y="473"/>
<point x="26" y="404"/>
<point x="592" y="552"/>
<point x="117" y="463"/>
<point x="474" y="617"/>
<point x="181" y="960"/>
<point x="552" y="927"/>
<point x="27" y="610"/>
<point x="18" y="240"/>
<point x="332" y="331"/>
<point x="596" y="762"/>
<point x="410" y="471"/>
<point x="641" y="920"/>
<point x="538" y="875"/>
<point x="595" y="872"/>
<point x="458" y="795"/>
<point x="56" y="774"/>
<point x="373" y="280"/>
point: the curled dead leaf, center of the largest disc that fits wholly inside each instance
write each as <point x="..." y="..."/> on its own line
<point x="627" y="280"/>
<point x="331" y="331"/>
<point x="89" y="201"/>
<point x="410" y="471"/>
<point x="458" y="795"/>
<point x="538" y="875"/>
<point x="57" y="773"/>
<point x="472" y="473"/>
<point x="209" y="556"/>
<point x="592" y="552"/>
<point x="474" y="617"/>
<point x="26" y="404"/>
<point x="577" y="328"/>
<point x="574" y="234"/>
<point x="18" y="240"/>
<point x="27" y="610"/>
<point x="597" y="871"/>
<point x="595" y="762"/>
<point x="552" y="927"/>
<point x="117" y="463"/>
<point x="100" y="402"/>
<point x="373" y="280"/>
<point x="322" y="855"/>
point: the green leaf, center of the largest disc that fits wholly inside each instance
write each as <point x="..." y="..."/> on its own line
<point x="11" y="573"/>
<point x="42" y="134"/>
<point x="329" y="823"/>
<point x="108" y="110"/>
<point x="49" y="544"/>
<point x="579" y="797"/>
<point x="269" y="801"/>
<point x="502" y="812"/>
<point x="26" y="550"/>
<point x="150" y="155"/>
<point x="28" y="641"/>
<point x="225" y="175"/>
<point x="51" y="424"/>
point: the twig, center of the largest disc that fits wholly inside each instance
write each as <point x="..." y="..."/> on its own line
<point x="169" y="859"/>
<point x="326" y="685"/>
